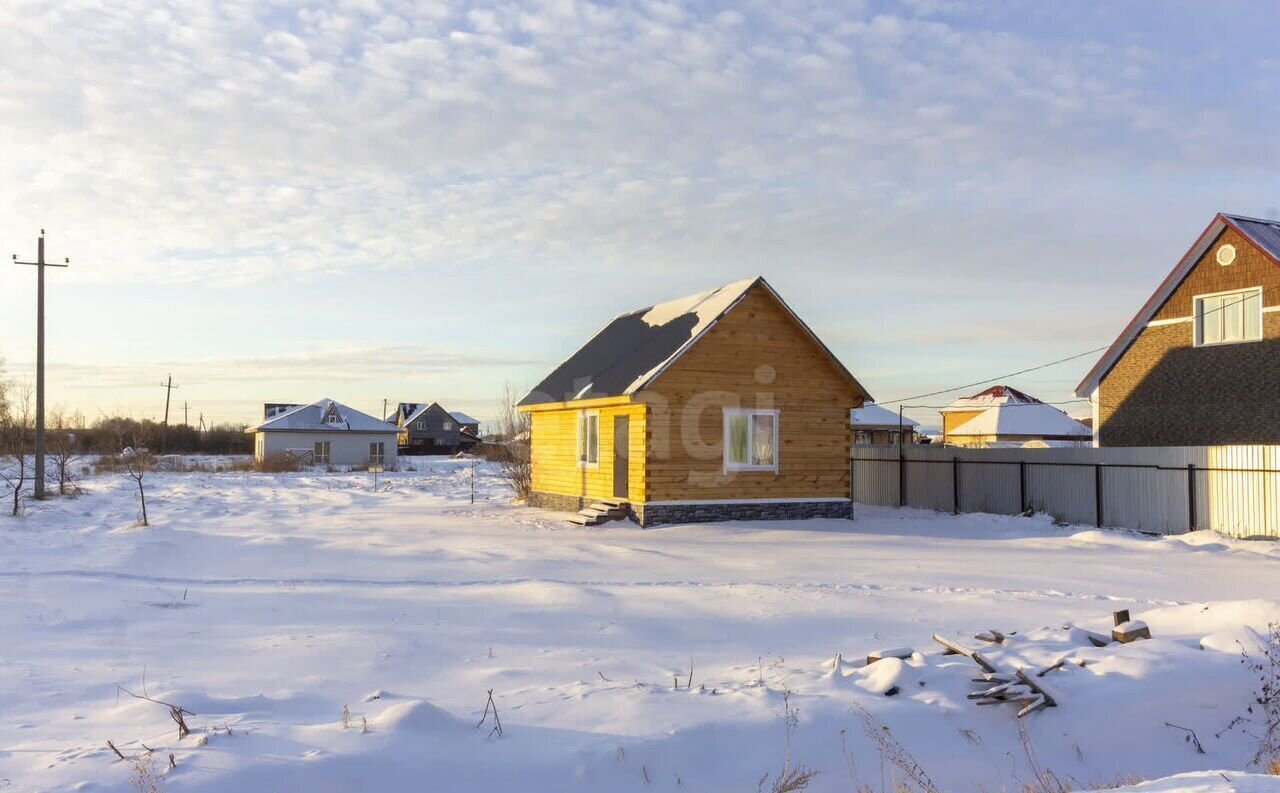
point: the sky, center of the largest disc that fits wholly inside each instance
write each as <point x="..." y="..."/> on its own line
<point x="412" y="200"/>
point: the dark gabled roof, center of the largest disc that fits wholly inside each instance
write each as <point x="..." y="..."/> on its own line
<point x="1265" y="234"/>
<point x="628" y="353"/>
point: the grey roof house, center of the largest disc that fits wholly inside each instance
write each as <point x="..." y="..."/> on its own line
<point x="323" y="433"/>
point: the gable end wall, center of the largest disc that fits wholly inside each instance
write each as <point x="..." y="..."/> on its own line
<point x="1165" y="391"/>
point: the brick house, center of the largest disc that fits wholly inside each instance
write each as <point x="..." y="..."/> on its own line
<point x="1199" y="365"/>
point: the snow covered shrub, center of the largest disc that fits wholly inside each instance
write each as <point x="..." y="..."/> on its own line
<point x="511" y="453"/>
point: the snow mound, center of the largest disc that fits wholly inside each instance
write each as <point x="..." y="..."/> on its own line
<point x="887" y="675"/>
<point x="1210" y="782"/>
<point x="416" y="716"/>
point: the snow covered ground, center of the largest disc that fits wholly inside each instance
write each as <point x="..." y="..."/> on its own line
<point x="265" y="603"/>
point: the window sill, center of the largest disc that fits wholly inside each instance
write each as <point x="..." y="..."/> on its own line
<point x="750" y="469"/>
<point x="1226" y="343"/>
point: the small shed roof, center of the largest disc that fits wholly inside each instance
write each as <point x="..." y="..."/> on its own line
<point x="872" y="415"/>
<point x="314" y="418"/>
<point x="463" y="418"/>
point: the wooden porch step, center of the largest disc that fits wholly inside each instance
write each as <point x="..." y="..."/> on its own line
<point x="587" y="520"/>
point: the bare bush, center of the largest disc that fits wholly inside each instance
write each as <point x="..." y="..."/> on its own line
<point x="16" y="419"/>
<point x="792" y="778"/>
<point x="63" y="453"/>
<point x="1264" y="713"/>
<point x="513" y="454"/>
<point x="277" y="464"/>
<point x="137" y="462"/>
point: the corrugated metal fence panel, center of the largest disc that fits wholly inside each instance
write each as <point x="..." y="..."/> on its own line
<point x="1237" y="488"/>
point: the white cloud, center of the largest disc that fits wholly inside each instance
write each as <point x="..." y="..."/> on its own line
<point x="242" y="143"/>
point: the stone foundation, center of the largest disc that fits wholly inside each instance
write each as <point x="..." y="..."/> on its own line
<point x="694" y="512"/>
<point x="559" y="502"/>
<point x="657" y="514"/>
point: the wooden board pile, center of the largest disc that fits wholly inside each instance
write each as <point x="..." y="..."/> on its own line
<point x="1024" y="686"/>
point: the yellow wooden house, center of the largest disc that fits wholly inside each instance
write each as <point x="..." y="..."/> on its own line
<point x="721" y="405"/>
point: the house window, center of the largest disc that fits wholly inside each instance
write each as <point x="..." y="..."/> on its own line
<point x="862" y="437"/>
<point x="376" y="453"/>
<point x="588" y="440"/>
<point x="420" y="425"/>
<point x="333" y="418"/>
<point x="448" y="425"/>
<point x="322" y="452"/>
<point x="750" y="440"/>
<point x="894" y="437"/>
<point x="1229" y="317"/>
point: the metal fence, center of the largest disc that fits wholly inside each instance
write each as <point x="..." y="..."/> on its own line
<point x="1234" y="490"/>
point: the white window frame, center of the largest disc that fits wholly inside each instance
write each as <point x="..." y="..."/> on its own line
<point x="861" y="437"/>
<point x="448" y="425"/>
<point x="1197" y="331"/>
<point x="419" y="425"/>
<point x="730" y="413"/>
<point x="322" y="459"/>
<point x="333" y="418"/>
<point x="580" y="449"/>
<point x="377" y="452"/>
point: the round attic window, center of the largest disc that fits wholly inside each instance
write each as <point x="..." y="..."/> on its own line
<point x="1226" y="254"/>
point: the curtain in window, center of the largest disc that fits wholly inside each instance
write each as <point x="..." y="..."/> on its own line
<point x="593" y="439"/>
<point x="739" y="433"/>
<point x="762" y="439"/>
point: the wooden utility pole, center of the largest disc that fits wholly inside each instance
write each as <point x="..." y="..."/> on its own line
<point x="164" y="432"/>
<point x="40" y="264"/>
<point x="185" y="422"/>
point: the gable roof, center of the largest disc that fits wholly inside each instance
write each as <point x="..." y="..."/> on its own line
<point x="628" y="353"/>
<point x="872" y="415"/>
<point x="1022" y="418"/>
<point x="311" y="418"/>
<point x="1264" y="234"/>
<point x="417" y="410"/>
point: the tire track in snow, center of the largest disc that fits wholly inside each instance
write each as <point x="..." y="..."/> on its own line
<point x="427" y="583"/>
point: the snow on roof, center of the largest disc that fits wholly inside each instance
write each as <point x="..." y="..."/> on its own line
<point x="993" y="396"/>
<point x="313" y="417"/>
<point x="872" y="415"/>
<point x="625" y="355"/>
<point x="463" y="418"/>
<point x="635" y="346"/>
<point x="1035" y="418"/>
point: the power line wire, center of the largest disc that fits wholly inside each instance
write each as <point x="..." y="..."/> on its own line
<point x="1069" y="358"/>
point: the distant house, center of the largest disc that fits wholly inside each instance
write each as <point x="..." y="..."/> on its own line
<point x="427" y="429"/>
<point x="1005" y="416"/>
<point x="323" y="433"/>
<point x="1199" y="365"/>
<point x="720" y="405"/>
<point x="466" y="422"/>
<point x="874" y="424"/>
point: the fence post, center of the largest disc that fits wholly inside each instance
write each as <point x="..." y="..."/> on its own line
<point x="955" y="485"/>
<point x="1022" y="486"/>
<point x="1191" y="496"/>
<point x="1097" y="493"/>
<point x="902" y="479"/>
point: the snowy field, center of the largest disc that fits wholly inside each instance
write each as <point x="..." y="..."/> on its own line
<point x="266" y="603"/>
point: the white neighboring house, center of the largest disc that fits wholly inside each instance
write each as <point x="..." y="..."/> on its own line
<point x="875" y="424"/>
<point x="324" y="433"/>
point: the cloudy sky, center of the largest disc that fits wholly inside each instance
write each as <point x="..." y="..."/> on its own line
<point x="415" y="200"/>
